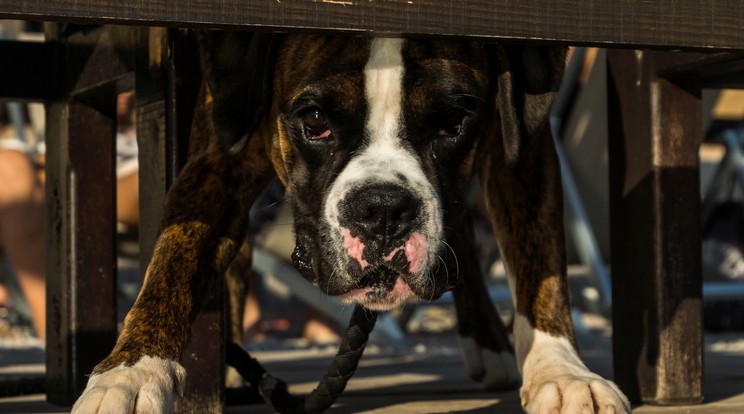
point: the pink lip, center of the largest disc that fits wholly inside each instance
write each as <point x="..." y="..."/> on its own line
<point x="397" y="295"/>
<point x="354" y="247"/>
<point x="415" y="249"/>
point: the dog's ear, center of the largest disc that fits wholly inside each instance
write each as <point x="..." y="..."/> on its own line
<point x="528" y="78"/>
<point x="238" y="67"/>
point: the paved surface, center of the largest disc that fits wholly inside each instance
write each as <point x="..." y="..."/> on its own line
<point x="422" y="375"/>
<point x="427" y="377"/>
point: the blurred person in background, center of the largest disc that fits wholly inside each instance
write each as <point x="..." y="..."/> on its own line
<point x="22" y="230"/>
<point x="22" y="206"/>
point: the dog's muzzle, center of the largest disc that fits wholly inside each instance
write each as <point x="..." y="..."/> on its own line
<point x="380" y="246"/>
<point x="379" y="223"/>
<point x="384" y="248"/>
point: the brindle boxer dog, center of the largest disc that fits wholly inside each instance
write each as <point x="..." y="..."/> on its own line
<point x="375" y="141"/>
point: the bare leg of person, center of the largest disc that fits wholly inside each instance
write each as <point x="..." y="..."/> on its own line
<point x="22" y="229"/>
<point x="4" y="296"/>
<point x="127" y="199"/>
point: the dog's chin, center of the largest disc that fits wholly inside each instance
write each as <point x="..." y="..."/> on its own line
<point x="380" y="298"/>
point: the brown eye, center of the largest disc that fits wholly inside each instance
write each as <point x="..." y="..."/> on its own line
<point x="316" y="125"/>
<point x="451" y="125"/>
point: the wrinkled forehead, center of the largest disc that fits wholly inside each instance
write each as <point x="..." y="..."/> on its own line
<point x="322" y="65"/>
<point x="341" y="66"/>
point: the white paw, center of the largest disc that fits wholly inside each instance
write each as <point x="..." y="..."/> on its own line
<point x="233" y="379"/>
<point x="494" y="370"/>
<point x="144" y="388"/>
<point x="555" y="379"/>
<point x="575" y="395"/>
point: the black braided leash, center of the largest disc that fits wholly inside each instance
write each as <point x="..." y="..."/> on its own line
<point x="333" y="383"/>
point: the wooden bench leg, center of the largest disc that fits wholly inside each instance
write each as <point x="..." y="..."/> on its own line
<point x="80" y="215"/>
<point x="167" y="83"/>
<point x="655" y="129"/>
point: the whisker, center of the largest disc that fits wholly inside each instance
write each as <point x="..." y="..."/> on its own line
<point x="330" y="279"/>
<point x="266" y="226"/>
<point x="467" y="95"/>
<point x="340" y="312"/>
<point x="457" y="261"/>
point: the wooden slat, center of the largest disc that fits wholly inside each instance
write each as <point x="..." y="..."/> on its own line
<point x="714" y="24"/>
<point x="715" y="70"/>
<point x="81" y="291"/>
<point x="80" y="253"/>
<point x="655" y="221"/>
<point x="155" y="140"/>
<point x="81" y="218"/>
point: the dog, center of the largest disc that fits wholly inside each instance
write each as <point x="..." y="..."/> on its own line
<point x="375" y="140"/>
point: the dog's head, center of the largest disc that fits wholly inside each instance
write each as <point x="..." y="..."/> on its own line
<point x="376" y="141"/>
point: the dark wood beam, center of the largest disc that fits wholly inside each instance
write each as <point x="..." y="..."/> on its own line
<point x="703" y="24"/>
<point x="80" y="214"/>
<point x="80" y="222"/>
<point x="655" y="129"/>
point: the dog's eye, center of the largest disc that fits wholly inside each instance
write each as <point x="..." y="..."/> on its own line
<point x="316" y="125"/>
<point x="451" y="125"/>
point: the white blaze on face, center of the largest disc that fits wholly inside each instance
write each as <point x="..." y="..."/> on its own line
<point x="384" y="159"/>
<point x="383" y="77"/>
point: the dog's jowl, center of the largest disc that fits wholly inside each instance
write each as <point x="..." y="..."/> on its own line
<point x="376" y="141"/>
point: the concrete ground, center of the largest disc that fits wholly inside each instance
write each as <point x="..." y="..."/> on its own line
<point x="425" y="375"/>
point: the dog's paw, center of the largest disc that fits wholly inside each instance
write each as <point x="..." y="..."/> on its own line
<point x="233" y="379"/>
<point x="590" y="394"/>
<point x="493" y="370"/>
<point x="146" y="387"/>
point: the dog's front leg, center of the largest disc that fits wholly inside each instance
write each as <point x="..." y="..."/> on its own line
<point x="204" y="223"/>
<point x="483" y="339"/>
<point x="525" y="207"/>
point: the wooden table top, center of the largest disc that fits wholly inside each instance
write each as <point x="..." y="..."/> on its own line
<point x="701" y="24"/>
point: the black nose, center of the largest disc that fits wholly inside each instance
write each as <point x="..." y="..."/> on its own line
<point x="381" y="211"/>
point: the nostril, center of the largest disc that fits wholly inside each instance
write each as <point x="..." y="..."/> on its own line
<point x="367" y="212"/>
<point x="402" y="215"/>
<point x="405" y="212"/>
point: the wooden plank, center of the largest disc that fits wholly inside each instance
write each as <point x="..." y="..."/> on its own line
<point x="715" y="70"/>
<point x="156" y="142"/>
<point x="81" y="262"/>
<point x="81" y="218"/>
<point x="655" y="127"/>
<point x="706" y="24"/>
<point x="80" y="258"/>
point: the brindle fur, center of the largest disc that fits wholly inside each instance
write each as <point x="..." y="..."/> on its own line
<point x="205" y="221"/>
<point x="525" y="208"/>
<point x="477" y="318"/>
<point x="206" y="213"/>
<point x="237" y="281"/>
<point x="522" y="184"/>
